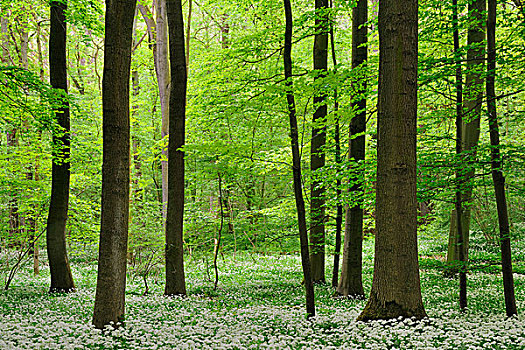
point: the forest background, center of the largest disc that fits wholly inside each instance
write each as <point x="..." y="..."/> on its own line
<point x="238" y="173"/>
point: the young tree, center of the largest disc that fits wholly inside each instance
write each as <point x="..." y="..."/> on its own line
<point x="296" y="162"/>
<point x="317" y="154"/>
<point x="175" y="281"/>
<point x="111" y="279"/>
<point x="496" y="164"/>
<point x="61" y="277"/>
<point x="351" y="283"/>
<point x="396" y="289"/>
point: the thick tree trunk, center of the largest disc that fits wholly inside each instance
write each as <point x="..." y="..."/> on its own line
<point x="351" y="283"/>
<point x="61" y="277"/>
<point x="175" y="280"/>
<point x="396" y="289"/>
<point x="473" y="100"/>
<point x="496" y="165"/>
<point x="111" y="279"/>
<point x="296" y="162"/>
<point x="317" y="154"/>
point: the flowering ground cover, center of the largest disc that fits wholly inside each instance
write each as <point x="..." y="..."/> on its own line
<point x="259" y="305"/>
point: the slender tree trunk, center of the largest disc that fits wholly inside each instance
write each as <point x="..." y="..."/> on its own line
<point x="163" y="79"/>
<point x="459" y="180"/>
<point x="396" y="289"/>
<point x="175" y="280"/>
<point x="111" y="279"/>
<point x="4" y="32"/>
<point x="351" y="283"/>
<point x="39" y="50"/>
<point x="339" y="206"/>
<point x="24" y="45"/>
<point x="61" y="277"/>
<point x="473" y="100"/>
<point x="217" y="244"/>
<point x="496" y="165"/>
<point x="337" y="141"/>
<point x="317" y="154"/>
<point x="296" y="162"/>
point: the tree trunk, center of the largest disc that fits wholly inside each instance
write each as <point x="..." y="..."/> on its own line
<point x="458" y="223"/>
<point x="473" y="100"/>
<point x="351" y="283"/>
<point x="111" y="279"/>
<point x="163" y="79"/>
<point x="317" y="154"/>
<point x="4" y="38"/>
<point x="337" y="141"/>
<point x="296" y="162"/>
<point x="396" y="289"/>
<point x="24" y="44"/>
<point x="175" y="280"/>
<point x="339" y="206"/>
<point x="496" y="165"/>
<point x="61" y="277"/>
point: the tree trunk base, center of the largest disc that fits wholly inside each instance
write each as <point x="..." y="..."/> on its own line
<point x="377" y="310"/>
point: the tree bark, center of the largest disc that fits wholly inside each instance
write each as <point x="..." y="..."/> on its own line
<point x="163" y="79"/>
<point x="4" y="38"/>
<point x="175" y="280"/>
<point x="296" y="162"/>
<point x="61" y="277"/>
<point x="458" y="227"/>
<point x="337" y="141"/>
<point x="496" y="165"/>
<point x="111" y="279"/>
<point x="351" y="283"/>
<point x="396" y="289"/>
<point x="317" y="154"/>
<point x="473" y="100"/>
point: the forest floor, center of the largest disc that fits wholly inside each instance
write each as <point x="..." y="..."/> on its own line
<point x="260" y="304"/>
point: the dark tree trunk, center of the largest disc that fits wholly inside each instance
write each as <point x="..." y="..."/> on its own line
<point x="337" y="141"/>
<point x="317" y="154"/>
<point x="351" y="283"/>
<point x="111" y="280"/>
<point x="459" y="149"/>
<point x="61" y="277"/>
<point x="496" y="165"/>
<point x="339" y="206"/>
<point x="175" y="280"/>
<point x="396" y="289"/>
<point x="296" y="162"/>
